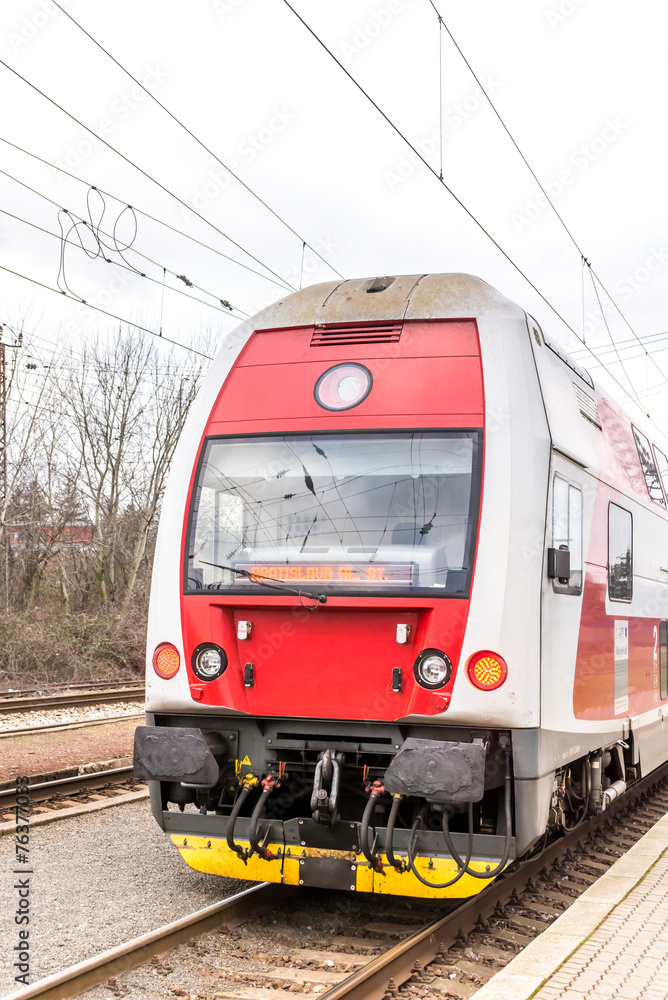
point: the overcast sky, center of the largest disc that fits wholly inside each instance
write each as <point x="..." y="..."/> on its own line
<point x="580" y="84"/>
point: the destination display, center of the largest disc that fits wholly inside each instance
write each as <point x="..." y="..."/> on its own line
<point x="394" y="574"/>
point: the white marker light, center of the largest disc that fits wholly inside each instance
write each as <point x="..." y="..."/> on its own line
<point x="342" y="387"/>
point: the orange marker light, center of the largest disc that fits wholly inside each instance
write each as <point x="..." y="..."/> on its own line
<point x="487" y="671"/>
<point x="166" y="660"/>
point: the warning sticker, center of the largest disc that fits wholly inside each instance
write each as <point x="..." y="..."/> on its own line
<point x="245" y="760"/>
<point x="621" y="667"/>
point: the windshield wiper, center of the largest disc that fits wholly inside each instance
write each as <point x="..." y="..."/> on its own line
<point x="269" y="582"/>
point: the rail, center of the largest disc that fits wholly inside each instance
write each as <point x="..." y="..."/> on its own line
<point x="45" y="790"/>
<point x="93" y="971"/>
<point x="134" y="692"/>
<point x="382" y="973"/>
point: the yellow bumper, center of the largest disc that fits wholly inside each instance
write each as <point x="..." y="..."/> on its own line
<point x="212" y="855"/>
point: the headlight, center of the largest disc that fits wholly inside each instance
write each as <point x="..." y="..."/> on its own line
<point x="343" y="386"/>
<point x="432" y="668"/>
<point x="209" y="661"/>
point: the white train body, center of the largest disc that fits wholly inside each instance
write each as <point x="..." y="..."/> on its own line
<point x="549" y="611"/>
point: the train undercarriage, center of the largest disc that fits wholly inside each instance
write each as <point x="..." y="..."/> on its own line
<point x="405" y="809"/>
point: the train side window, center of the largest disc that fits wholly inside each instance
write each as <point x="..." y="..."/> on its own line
<point x="567" y="531"/>
<point x="620" y="553"/>
<point x="649" y="468"/>
<point x="662" y="466"/>
<point x="663" y="658"/>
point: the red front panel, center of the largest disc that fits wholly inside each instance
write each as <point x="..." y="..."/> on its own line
<point x="337" y="661"/>
<point x="277" y="391"/>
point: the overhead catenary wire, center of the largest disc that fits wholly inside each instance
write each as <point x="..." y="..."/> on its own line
<point x="89" y="371"/>
<point x="105" y="312"/>
<point x="145" y="173"/>
<point x="440" y="95"/>
<point x="450" y="191"/>
<point x="619" y="359"/>
<point x="498" y="246"/>
<point x="501" y="121"/>
<point x="95" y="230"/>
<point x="203" y="145"/>
<point x="95" y="187"/>
<point x="623" y="345"/>
<point x="47" y="407"/>
<point x="162" y="298"/>
<point x="570" y="235"/>
<point x="24" y="340"/>
<point x="124" y="267"/>
<point x="87" y="378"/>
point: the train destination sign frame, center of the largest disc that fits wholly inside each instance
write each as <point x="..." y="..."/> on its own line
<point x="392" y="574"/>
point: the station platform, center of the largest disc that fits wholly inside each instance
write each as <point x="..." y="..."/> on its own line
<point x="611" y="943"/>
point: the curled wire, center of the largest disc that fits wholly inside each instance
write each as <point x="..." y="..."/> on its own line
<point x="106" y="245"/>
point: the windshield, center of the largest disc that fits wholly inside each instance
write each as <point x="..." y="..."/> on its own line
<point x="388" y="512"/>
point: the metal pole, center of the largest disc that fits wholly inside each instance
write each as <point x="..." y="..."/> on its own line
<point x="3" y="460"/>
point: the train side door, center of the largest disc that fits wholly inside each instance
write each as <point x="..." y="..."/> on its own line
<point x="562" y="598"/>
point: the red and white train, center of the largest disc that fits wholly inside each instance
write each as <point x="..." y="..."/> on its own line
<point x="409" y="606"/>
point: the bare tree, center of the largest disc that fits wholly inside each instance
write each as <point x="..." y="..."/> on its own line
<point x="172" y="394"/>
<point x="91" y="434"/>
<point x="127" y="404"/>
<point x="29" y="410"/>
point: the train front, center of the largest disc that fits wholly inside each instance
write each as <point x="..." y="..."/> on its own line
<point x="311" y="707"/>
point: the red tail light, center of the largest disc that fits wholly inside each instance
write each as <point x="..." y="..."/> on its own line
<point x="166" y="660"/>
<point x="487" y="671"/>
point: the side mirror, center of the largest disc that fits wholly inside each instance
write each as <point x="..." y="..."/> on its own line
<point x="559" y="564"/>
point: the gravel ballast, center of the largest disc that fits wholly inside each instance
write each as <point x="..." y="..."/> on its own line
<point x="43" y="753"/>
<point x="98" y="880"/>
<point x="73" y="713"/>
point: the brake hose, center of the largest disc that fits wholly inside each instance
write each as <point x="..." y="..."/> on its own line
<point x="461" y="864"/>
<point x="369" y="809"/>
<point x="400" y="865"/>
<point x="508" y="835"/>
<point x="254" y="848"/>
<point x="585" y="801"/>
<point x="248" y="783"/>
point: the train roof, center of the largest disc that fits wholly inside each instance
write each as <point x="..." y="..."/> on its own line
<point x="393" y="297"/>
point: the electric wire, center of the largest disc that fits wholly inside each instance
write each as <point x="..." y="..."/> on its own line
<point x="95" y="230"/>
<point x="85" y="363"/>
<point x="440" y="94"/>
<point x="145" y="173"/>
<point x="125" y="267"/>
<point x="628" y="345"/>
<point x="546" y="195"/>
<point x="502" y="123"/>
<point x="619" y="360"/>
<point x="146" y="215"/>
<point x="197" y="140"/>
<point x="162" y="299"/>
<point x="89" y="373"/>
<point x="105" y="312"/>
<point x="450" y="191"/>
<point x="88" y="367"/>
<point x="396" y="129"/>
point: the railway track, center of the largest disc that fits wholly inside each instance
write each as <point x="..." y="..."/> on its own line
<point x="71" y="699"/>
<point x="70" y="790"/>
<point x="50" y="688"/>
<point x="383" y="951"/>
<point x="83" y="976"/>
<point x="75" y="724"/>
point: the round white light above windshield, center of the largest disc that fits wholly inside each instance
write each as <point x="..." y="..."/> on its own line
<point x="343" y="386"/>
